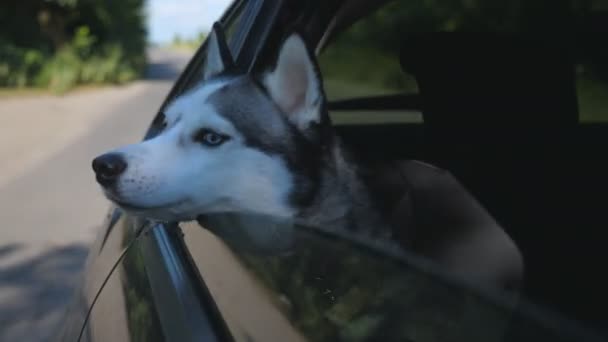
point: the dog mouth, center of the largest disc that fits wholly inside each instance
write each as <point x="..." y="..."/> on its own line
<point x="134" y="208"/>
<point x="129" y="206"/>
<point x="126" y="205"/>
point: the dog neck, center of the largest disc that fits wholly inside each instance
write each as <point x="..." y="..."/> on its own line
<point x="343" y="200"/>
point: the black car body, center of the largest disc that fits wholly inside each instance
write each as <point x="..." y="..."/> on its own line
<point x="501" y="107"/>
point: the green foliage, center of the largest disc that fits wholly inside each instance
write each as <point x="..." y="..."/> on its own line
<point x="190" y="44"/>
<point x="363" y="60"/>
<point x="342" y="287"/>
<point x="17" y="65"/>
<point x="177" y="40"/>
<point x="338" y="291"/>
<point x="59" y="44"/>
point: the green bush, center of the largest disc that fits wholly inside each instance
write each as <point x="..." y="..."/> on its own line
<point x="78" y="62"/>
<point x="58" y="44"/>
<point x="18" y="66"/>
<point x="191" y="43"/>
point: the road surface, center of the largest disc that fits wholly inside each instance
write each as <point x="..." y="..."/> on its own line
<point x="50" y="206"/>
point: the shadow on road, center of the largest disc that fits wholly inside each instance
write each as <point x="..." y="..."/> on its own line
<point x="36" y="288"/>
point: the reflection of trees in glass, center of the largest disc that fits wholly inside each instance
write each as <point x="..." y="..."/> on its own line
<point x="338" y="286"/>
<point x="333" y="291"/>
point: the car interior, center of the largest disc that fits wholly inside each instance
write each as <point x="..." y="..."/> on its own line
<point x="500" y="112"/>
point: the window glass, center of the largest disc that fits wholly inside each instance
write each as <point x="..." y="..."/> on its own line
<point x="358" y="63"/>
<point x="362" y="59"/>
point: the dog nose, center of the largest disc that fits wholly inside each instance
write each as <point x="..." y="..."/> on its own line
<point x="108" y="167"/>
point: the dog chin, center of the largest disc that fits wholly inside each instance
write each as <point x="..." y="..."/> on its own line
<point x="155" y="213"/>
<point x="165" y="212"/>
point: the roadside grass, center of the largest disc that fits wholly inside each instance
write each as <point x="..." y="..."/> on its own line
<point x="7" y="93"/>
<point x="22" y="92"/>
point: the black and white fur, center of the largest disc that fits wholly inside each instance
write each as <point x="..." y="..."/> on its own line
<point x="279" y="155"/>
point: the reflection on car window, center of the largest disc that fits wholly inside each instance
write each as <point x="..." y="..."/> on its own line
<point x="307" y="283"/>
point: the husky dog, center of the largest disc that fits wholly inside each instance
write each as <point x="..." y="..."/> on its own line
<point x="243" y="143"/>
<point x="264" y="144"/>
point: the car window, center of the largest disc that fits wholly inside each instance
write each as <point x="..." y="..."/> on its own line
<point x="360" y="62"/>
<point x="362" y="59"/>
<point x="361" y="56"/>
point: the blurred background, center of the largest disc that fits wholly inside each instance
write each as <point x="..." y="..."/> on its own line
<point x="77" y="77"/>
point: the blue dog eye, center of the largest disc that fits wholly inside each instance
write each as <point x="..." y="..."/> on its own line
<point x="209" y="137"/>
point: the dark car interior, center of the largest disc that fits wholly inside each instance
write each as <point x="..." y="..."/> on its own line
<point x="500" y="113"/>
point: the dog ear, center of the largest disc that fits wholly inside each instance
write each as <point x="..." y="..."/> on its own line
<point x="218" y="57"/>
<point x="294" y="84"/>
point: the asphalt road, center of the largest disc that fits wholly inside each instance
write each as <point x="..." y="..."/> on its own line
<point x="50" y="206"/>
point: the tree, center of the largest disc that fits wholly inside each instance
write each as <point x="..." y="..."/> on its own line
<point x="47" y="31"/>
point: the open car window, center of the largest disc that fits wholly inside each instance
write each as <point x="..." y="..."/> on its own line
<point x="365" y="83"/>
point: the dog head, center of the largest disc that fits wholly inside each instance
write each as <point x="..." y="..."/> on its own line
<point x="235" y="143"/>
